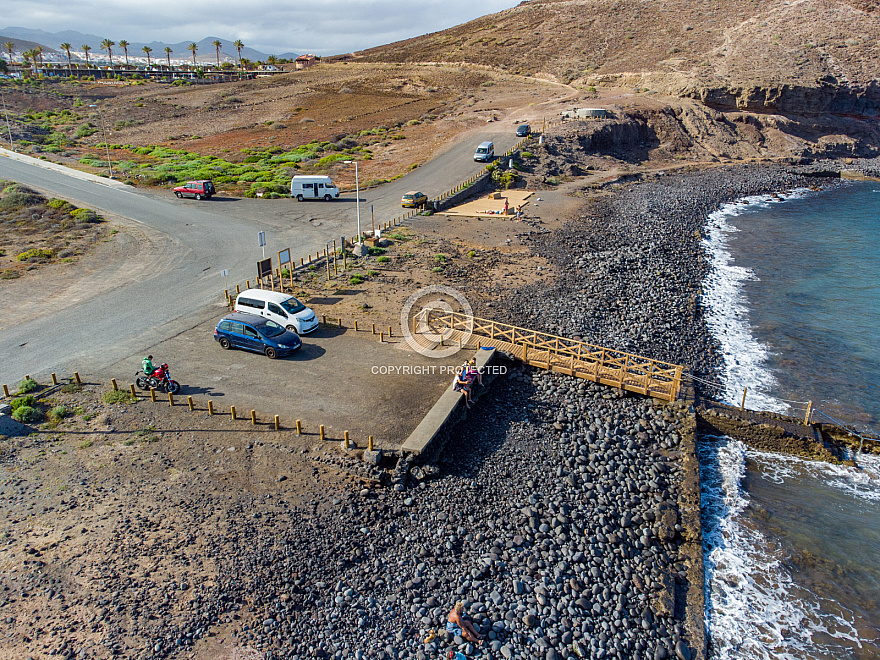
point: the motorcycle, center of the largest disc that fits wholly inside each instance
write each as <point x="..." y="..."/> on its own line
<point x="160" y="380"/>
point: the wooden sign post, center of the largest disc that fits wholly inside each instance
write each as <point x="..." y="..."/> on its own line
<point x="284" y="258"/>
<point x="264" y="268"/>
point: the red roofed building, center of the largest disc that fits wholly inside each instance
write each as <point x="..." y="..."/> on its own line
<point x="304" y="61"/>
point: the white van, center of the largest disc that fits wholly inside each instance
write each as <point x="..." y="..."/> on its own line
<point x="313" y="187"/>
<point x="285" y="310"/>
<point x="485" y="152"/>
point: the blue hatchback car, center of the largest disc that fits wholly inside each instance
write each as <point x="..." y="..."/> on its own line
<point x="255" y="333"/>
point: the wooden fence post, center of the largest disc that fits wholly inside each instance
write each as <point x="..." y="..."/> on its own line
<point x="189" y="402"/>
<point x="210" y="407"/>
<point x="277" y="423"/>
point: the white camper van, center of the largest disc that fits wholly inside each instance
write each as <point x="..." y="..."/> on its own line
<point x="313" y="187"/>
<point x="279" y="307"/>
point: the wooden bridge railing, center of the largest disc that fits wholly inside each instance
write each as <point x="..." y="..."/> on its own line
<point x="569" y="356"/>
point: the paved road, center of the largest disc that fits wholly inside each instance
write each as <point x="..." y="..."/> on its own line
<point x="200" y="239"/>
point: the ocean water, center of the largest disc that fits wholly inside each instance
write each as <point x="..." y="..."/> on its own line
<point x="794" y="299"/>
<point x="791" y="555"/>
<point x="792" y="547"/>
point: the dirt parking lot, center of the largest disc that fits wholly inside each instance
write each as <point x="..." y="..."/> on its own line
<point x="345" y="380"/>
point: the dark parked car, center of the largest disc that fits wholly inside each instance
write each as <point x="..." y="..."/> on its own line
<point x="255" y="333"/>
<point x="523" y="130"/>
<point x="198" y="189"/>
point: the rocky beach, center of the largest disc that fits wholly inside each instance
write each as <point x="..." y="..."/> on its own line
<point x="562" y="513"/>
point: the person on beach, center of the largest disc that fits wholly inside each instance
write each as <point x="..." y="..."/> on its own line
<point x="459" y="623"/>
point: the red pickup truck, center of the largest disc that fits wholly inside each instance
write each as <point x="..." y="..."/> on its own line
<point x="198" y="189"/>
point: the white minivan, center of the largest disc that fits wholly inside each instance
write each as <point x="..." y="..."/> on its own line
<point x="285" y="310"/>
<point x="313" y="187"/>
<point x="485" y="152"/>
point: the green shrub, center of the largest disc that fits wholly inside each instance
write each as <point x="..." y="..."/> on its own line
<point x="27" y="414"/>
<point x="118" y="396"/>
<point x="56" y="203"/>
<point x="376" y="251"/>
<point x="383" y="260"/>
<point x="85" y="216"/>
<point x="440" y="258"/>
<point x="36" y="253"/>
<point x="58" y="413"/>
<point x="528" y="154"/>
<point x="27" y="385"/>
<point x="357" y="278"/>
<point x="71" y="388"/>
<point x="85" y="131"/>
<point x="17" y="196"/>
<point x="372" y="273"/>
<point x="28" y="400"/>
<point x="472" y="254"/>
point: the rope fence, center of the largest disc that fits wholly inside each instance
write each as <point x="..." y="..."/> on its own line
<point x="152" y="395"/>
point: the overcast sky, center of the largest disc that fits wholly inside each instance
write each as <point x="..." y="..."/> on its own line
<point x="323" y="27"/>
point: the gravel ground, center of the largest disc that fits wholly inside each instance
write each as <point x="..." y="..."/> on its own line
<point x="554" y="514"/>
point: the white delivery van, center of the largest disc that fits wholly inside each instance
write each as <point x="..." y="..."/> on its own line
<point x="313" y="187"/>
<point x="285" y="310"/>
<point x="485" y="152"/>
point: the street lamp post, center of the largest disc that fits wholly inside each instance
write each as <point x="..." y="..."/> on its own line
<point x="357" y="187"/>
<point x="9" y="130"/>
<point x="104" y="133"/>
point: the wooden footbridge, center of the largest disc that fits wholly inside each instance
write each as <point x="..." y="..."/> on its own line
<point x="662" y="380"/>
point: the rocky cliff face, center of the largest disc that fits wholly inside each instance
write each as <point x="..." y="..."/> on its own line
<point x="828" y="96"/>
<point x="689" y="131"/>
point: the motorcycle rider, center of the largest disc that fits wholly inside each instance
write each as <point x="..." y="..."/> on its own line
<point x="148" y="366"/>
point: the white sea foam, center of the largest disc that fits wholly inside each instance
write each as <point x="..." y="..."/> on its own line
<point x="745" y="358"/>
<point x="862" y="482"/>
<point x="754" y="608"/>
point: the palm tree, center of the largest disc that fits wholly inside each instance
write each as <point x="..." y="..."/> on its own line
<point x="245" y="63"/>
<point x="168" y="52"/>
<point x="216" y="44"/>
<point x="86" y="48"/>
<point x="238" y="45"/>
<point x="147" y="50"/>
<point x="38" y="53"/>
<point x="123" y="44"/>
<point x="108" y="45"/>
<point x="193" y="47"/>
<point x="272" y="60"/>
<point x="9" y="46"/>
<point x="66" y="46"/>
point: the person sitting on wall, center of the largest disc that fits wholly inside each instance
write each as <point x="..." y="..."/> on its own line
<point x="462" y="384"/>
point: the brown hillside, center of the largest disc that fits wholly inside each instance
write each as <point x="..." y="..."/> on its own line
<point x="813" y="55"/>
